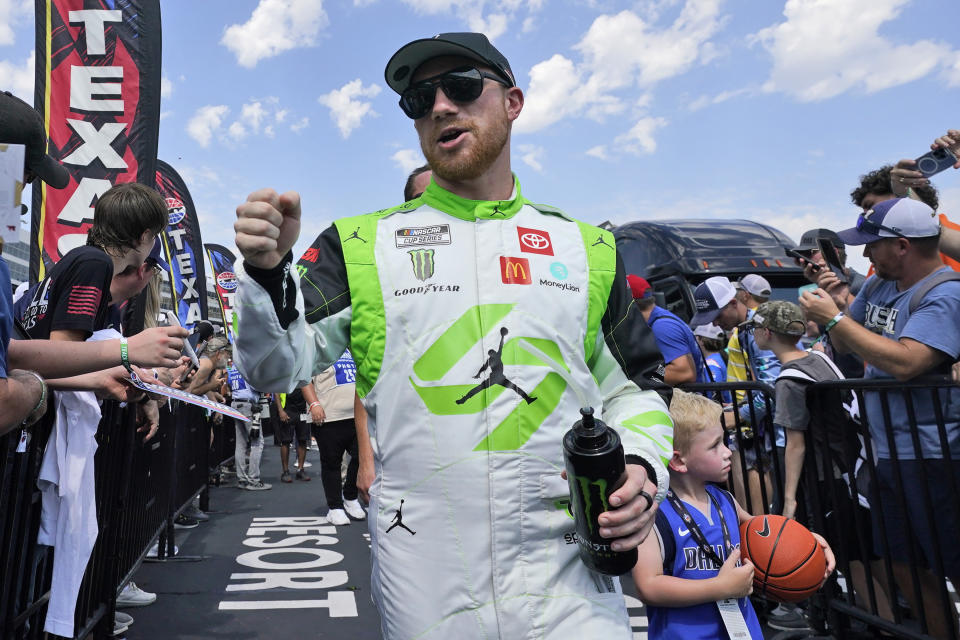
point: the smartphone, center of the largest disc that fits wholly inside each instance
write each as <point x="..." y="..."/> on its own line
<point x="804" y="260"/>
<point x="832" y="258"/>
<point x="935" y="161"/>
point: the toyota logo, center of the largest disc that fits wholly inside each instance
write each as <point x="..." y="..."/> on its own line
<point x="534" y="241"/>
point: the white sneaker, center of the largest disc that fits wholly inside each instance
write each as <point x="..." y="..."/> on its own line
<point x="354" y="509"/>
<point x="118" y="629"/>
<point x="337" y="516"/>
<point x="134" y="596"/>
<point x="258" y="485"/>
<point x="307" y="464"/>
<point x="119" y="617"/>
<point x="154" y="551"/>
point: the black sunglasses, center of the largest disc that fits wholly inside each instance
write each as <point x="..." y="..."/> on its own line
<point x="464" y="84"/>
<point x="864" y="223"/>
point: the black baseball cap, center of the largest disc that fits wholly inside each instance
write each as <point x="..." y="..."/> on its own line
<point x="22" y="124"/>
<point x="475" y="46"/>
<point x="808" y="241"/>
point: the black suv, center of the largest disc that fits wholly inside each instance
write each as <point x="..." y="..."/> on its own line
<point x="677" y="255"/>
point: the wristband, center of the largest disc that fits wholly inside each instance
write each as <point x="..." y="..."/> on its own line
<point x="41" y="400"/>
<point x="833" y="321"/>
<point x="313" y="404"/>
<point x="124" y="354"/>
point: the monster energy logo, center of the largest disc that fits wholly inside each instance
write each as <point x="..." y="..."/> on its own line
<point x="586" y="498"/>
<point x="423" y="263"/>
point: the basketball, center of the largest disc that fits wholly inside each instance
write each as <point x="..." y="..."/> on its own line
<point x="788" y="561"/>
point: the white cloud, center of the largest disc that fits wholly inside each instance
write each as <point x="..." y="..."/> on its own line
<point x="619" y="53"/>
<point x="639" y="139"/>
<point x="274" y="27"/>
<point x="12" y="13"/>
<point x="166" y="87"/>
<point x="952" y="73"/>
<point x="489" y="17"/>
<point x="252" y="114"/>
<point x="824" y="49"/>
<point x="18" y="79"/>
<point x="269" y="131"/>
<point x="407" y="159"/>
<point x="165" y="114"/>
<point x="723" y="96"/>
<point x="280" y="115"/>
<point x="532" y="155"/>
<point x="237" y="131"/>
<point x="205" y="122"/>
<point x="599" y="151"/>
<point x="300" y="124"/>
<point x="346" y="109"/>
<point x="200" y="176"/>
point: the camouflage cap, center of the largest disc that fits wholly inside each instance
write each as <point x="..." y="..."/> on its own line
<point x="780" y="316"/>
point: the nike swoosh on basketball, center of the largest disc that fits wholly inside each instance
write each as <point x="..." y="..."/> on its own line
<point x="766" y="529"/>
<point x="682" y="532"/>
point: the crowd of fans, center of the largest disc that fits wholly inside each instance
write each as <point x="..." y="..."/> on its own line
<point x="898" y="323"/>
<point x="92" y="321"/>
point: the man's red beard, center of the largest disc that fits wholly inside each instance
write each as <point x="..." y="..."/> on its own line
<point x="470" y="163"/>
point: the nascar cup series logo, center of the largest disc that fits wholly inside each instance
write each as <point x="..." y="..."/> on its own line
<point x="227" y="281"/>
<point x="175" y="211"/>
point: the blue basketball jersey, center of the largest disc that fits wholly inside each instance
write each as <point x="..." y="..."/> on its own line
<point x="345" y="370"/>
<point x="702" y="621"/>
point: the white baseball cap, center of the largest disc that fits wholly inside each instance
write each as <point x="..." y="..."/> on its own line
<point x="710" y="331"/>
<point x="754" y="284"/>
<point x="712" y="295"/>
<point x="895" y="218"/>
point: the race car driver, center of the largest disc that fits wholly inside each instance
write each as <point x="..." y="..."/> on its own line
<point x="480" y="323"/>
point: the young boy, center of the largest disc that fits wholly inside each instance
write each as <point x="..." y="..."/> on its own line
<point x="693" y="561"/>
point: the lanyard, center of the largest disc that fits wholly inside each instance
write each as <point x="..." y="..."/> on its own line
<point x="695" y="531"/>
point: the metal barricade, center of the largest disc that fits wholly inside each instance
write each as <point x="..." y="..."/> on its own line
<point x="880" y="507"/>
<point x="140" y="487"/>
<point x="25" y="566"/>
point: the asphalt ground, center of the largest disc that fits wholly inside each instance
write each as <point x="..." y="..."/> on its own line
<point x="214" y="587"/>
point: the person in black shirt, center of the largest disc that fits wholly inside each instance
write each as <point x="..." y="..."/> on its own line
<point x="71" y="302"/>
<point x="291" y="422"/>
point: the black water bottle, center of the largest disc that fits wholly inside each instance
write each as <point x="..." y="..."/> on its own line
<point x="595" y="469"/>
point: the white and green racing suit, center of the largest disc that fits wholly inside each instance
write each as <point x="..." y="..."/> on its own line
<point x="436" y="298"/>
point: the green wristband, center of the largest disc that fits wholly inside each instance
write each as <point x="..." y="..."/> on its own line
<point x="124" y="354"/>
<point x="833" y="322"/>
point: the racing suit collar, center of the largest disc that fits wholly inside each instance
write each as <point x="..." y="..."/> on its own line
<point x="450" y="203"/>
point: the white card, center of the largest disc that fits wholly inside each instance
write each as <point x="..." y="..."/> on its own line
<point x="733" y="619"/>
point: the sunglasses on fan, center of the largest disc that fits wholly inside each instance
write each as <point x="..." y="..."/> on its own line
<point x="864" y="223"/>
<point x="463" y="85"/>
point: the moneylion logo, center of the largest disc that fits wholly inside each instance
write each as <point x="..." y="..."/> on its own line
<point x="432" y="370"/>
<point x="423" y="263"/>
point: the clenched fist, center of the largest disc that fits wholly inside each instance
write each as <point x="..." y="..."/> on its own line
<point x="267" y="226"/>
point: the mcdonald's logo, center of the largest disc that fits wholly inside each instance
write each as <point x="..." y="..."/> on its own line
<point x="515" y="270"/>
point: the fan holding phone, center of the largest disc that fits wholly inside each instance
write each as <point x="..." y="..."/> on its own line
<point x="820" y="249"/>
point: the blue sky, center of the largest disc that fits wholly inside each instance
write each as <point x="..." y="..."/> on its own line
<point x="761" y="109"/>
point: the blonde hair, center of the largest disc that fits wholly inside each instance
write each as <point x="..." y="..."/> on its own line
<point x="691" y="413"/>
<point x="152" y="304"/>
